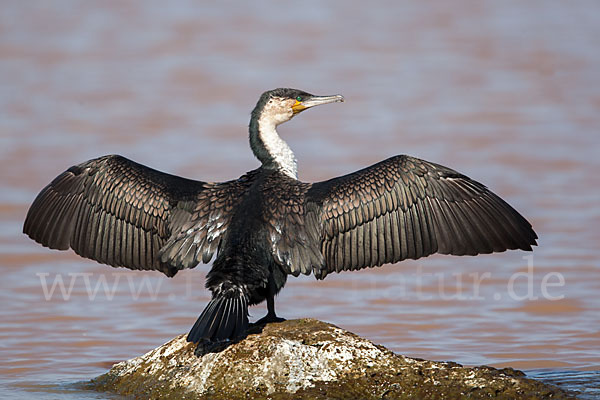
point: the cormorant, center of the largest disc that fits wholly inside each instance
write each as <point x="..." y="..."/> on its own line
<point x="267" y="224"/>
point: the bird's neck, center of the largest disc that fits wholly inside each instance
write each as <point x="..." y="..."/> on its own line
<point x="272" y="151"/>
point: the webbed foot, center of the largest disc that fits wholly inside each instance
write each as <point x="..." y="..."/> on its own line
<point x="268" y="319"/>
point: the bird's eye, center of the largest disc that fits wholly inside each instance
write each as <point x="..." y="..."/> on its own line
<point x="299" y="98"/>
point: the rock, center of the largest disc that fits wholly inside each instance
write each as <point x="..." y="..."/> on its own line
<point x="312" y="360"/>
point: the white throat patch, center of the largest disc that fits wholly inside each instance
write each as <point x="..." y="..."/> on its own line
<point x="268" y="146"/>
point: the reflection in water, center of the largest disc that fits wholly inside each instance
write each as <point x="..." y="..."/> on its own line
<point x="500" y="91"/>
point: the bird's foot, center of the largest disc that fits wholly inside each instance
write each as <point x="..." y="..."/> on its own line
<point x="268" y="319"/>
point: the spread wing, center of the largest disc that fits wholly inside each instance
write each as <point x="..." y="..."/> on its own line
<point x="118" y="212"/>
<point x="403" y="208"/>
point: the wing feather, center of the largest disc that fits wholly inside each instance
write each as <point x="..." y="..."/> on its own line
<point x="122" y="213"/>
<point x="405" y="207"/>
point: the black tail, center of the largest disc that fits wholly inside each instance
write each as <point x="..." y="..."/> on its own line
<point x="225" y="317"/>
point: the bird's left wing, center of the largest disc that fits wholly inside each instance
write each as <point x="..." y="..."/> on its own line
<point x="124" y="214"/>
<point x="199" y="237"/>
<point x="405" y="207"/>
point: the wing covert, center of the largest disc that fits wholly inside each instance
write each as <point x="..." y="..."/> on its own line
<point x="198" y="238"/>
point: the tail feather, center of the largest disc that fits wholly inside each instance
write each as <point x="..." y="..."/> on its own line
<point x="229" y="319"/>
<point x="223" y="318"/>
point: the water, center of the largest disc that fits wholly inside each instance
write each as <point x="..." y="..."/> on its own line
<point x="504" y="92"/>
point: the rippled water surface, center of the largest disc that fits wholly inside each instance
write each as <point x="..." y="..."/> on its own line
<point x="505" y="92"/>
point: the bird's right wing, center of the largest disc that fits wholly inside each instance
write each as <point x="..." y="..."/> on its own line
<point x="405" y="207"/>
<point x="122" y="213"/>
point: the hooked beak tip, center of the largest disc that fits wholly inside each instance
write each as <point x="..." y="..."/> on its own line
<point x="318" y="100"/>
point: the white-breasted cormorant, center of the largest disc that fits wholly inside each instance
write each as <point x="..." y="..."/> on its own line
<point x="267" y="224"/>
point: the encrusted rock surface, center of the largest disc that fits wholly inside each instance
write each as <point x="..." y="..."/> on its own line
<point x="312" y="360"/>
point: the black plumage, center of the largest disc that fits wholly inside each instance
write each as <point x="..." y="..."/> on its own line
<point x="267" y="225"/>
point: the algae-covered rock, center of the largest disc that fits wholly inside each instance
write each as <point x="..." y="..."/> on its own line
<point x="309" y="359"/>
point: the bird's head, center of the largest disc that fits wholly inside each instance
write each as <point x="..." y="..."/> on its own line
<point x="280" y="105"/>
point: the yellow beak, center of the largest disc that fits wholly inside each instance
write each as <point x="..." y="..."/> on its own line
<point x="315" y="101"/>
